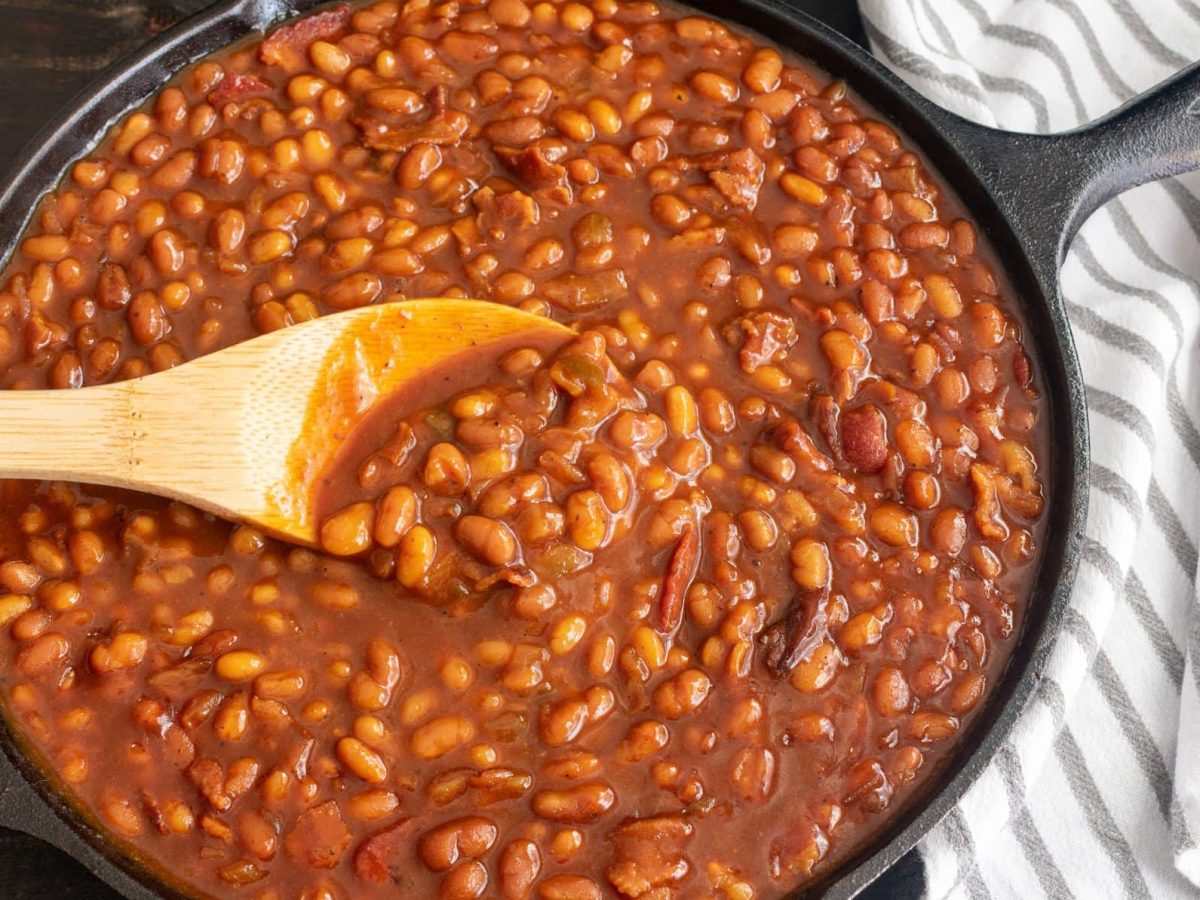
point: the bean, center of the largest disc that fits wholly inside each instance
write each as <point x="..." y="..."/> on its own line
<point x="818" y="671"/>
<point x="683" y="694"/>
<point x="645" y="739"/>
<point x="587" y="519"/>
<point x="466" y="838"/>
<point x="353" y="291"/>
<point x="371" y="805"/>
<point x="567" y="633"/>
<point x="773" y="463"/>
<point x="121" y="815"/>
<point x="13" y="605"/>
<point x="928" y="727"/>
<point x="465" y="881"/>
<point x="511" y="13"/>
<point x="930" y="677"/>
<point x="924" y="236"/>
<point x="894" y="525"/>
<point x="287" y="685"/>
<point x="47" y="248"/>
<point x="489" y="541"/>
<point x="43" y="654"/>
<point x="395" y="100"/>
<point x="810" y="561"/>
<point x="754" y="774"/>
<point x="762" y="73"/>
<point x="861" y="631"/>
<point x="921" y="490"/>
<point x="395" y="513"/>
<point x="446" y="469"/>
<point x="576" y="806"/>
<point x="943" y="296"/>
<point x="415" y="555"/>
<point x="569" y="887"/>
<point x="949" y="531"/>
<point x="441" y="735"/>
<point x="19" y="576"/>
<point x="967" y="693"/>
<point x="268" y="246"/>
<point x="147" y="321"/>
<point x="610" y="479"/>
<point x="715" y="87"/>
<point x="240" y="665"/>
<point x="362" y="760"/>
<point x="348" y="532"/>
<point x="464" y="47"/>
<point x="520" y="864"/>
<point x="802" y="189"/>
<point x="562" y="722"/>
<point x="125" y="650"/>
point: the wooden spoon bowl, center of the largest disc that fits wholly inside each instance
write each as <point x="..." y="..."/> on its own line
<point x="244" y="433"/>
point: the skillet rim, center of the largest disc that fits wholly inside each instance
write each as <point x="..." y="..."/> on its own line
<point x="942" y="137"/>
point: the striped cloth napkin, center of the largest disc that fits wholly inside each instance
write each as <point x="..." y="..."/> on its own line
<point x="1097" y="792"/>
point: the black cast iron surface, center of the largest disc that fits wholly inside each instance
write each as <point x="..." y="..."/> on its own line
<point x="51" y="49"/>
<point x="1029" y="193"/>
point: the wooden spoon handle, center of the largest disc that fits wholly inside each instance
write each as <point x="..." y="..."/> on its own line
<point x="181" y="434"/>
<point x="80" y="435"/>
<point x="244" y="432"/>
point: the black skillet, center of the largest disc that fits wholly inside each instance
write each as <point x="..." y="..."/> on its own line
<point x="1030" y="194"/>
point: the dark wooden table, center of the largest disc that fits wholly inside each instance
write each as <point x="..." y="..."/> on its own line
<point x="50" y="49"/>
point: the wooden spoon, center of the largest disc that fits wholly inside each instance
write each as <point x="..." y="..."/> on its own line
<point x="245" y="432"/>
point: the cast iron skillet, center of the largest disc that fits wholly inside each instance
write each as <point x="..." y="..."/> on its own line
<point x="1029" y="193"/>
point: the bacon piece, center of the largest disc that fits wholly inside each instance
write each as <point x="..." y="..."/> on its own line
<point x="438" y="98"/>
<point x="987" y="502"/>
<point x="157" y="719"/>
<point x="794" y="636"/>
<point x="737" y="175"/>
<point x="864" y="438"/>
<point x="181" y="679"/>
<point x="532" y="165"/>
<point x="516" y="576"/>
<point x="650" y="855"/>
<point x="1022" y="370"/>
<point x="750" y="240"/>
<point x="319" y="836"/>
<point x="443" y="129"/>
<point x="868" y="786"/>
<point x="287" y="44"/>
<point x="512" y="209"/>
<point x="800" y="846"/>
<point x="380" y="856"/>
<point x="827" y="414"/>
<point x="209" y="777"/>
<point x="768" y="335"/>
<point x="155" y="814"/>
<point x="442" y="126"/>
<point x="699" y="238"/>
<point x="238" y="87"/>
<point x="681" y="571"/>
<point x="796" y="443"/>
<point x="214" y="644"/>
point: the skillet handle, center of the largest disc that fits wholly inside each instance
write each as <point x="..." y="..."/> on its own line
<point x="1049" y="184"/>
<point x="1153" y="136"/>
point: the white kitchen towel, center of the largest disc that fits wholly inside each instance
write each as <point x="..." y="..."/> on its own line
<point x="1097" y="792"/>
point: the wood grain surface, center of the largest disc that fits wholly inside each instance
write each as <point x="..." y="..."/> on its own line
<point x="50" y="50"/>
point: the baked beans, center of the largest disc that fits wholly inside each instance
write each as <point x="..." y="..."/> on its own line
<point x="689" y="604"/>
